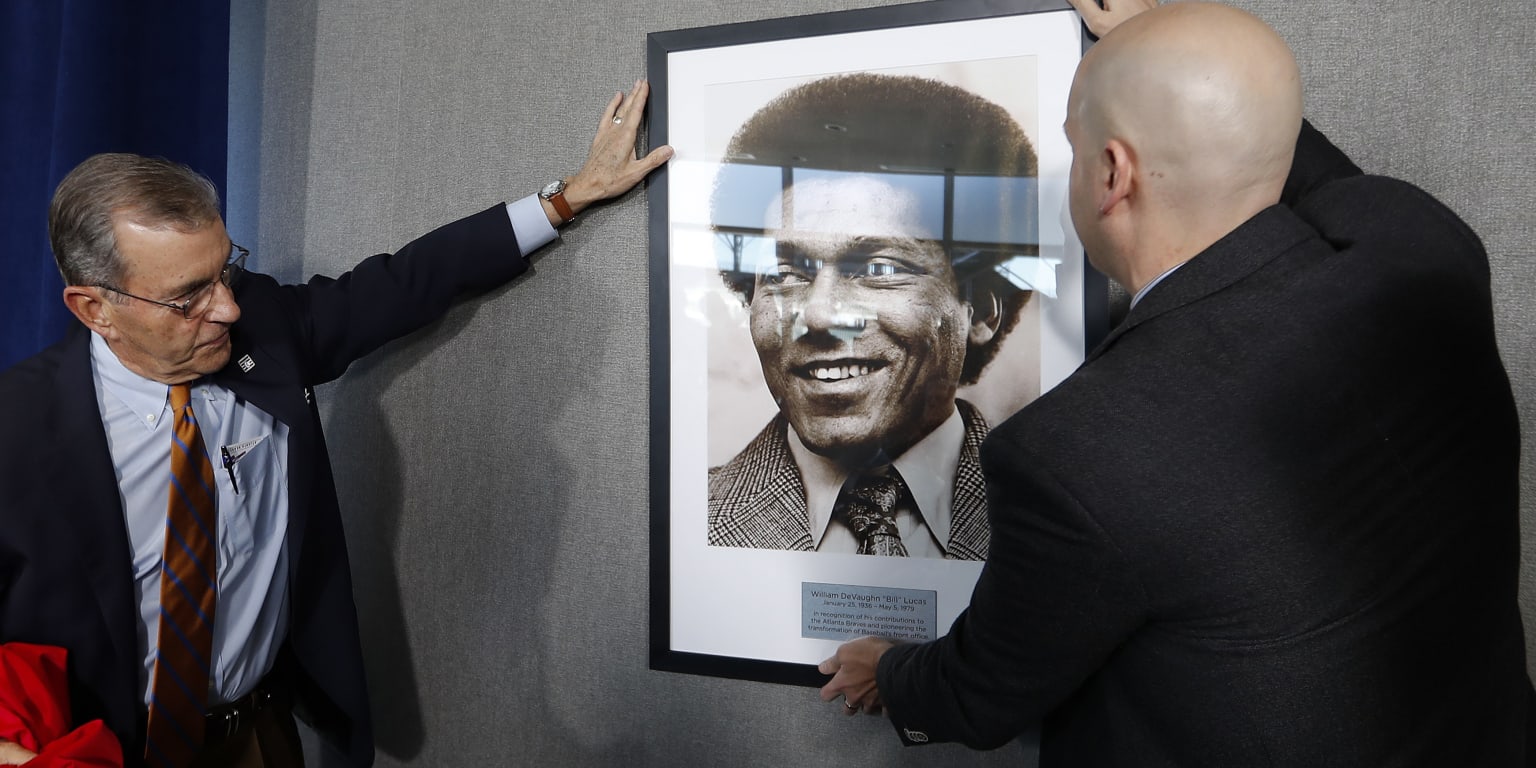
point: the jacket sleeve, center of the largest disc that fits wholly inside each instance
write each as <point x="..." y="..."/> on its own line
<point x="1317" y="162"/>
<point x="393" y="294"/>
<point x="1357" y="212"/>
<point x="1053" y="601"/>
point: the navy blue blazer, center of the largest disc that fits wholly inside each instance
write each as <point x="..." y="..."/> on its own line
<point x="1272" y="520"/>
<point x="65" y="570"/>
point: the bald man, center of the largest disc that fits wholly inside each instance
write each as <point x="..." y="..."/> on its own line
<point x="1273" y="519"/>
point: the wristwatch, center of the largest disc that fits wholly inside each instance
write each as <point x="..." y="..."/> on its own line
<point x="554" y="192"/>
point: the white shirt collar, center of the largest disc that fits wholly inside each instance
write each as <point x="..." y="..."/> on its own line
<point x="928" y="467"/>
<point x="147" y="399"/>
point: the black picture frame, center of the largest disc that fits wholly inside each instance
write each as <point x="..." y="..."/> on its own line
<point x="662" y="49"/>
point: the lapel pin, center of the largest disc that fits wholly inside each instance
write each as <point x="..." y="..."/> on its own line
<point x="246" y="363"/>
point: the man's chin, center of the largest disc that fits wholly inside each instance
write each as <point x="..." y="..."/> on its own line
<point x="214" y="359"/>
<point x="860" y="441"/>
<point x="849" y="450"/>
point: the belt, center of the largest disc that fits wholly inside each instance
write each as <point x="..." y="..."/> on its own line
<point x="224" y="721"/>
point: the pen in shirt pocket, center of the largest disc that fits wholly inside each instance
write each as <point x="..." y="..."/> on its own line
<point x="234" y="454"/>
<point x="229" y="466"/>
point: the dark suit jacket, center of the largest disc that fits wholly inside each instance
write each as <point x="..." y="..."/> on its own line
<point x="757" y="499"/>
<point x="65" y="574"/>
<point x="1271" y="521"/>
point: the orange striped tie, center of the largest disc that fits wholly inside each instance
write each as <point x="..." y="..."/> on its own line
<point x="188" y="596"/>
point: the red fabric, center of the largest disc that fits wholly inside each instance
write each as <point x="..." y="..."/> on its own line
<point x="34" y="712"/>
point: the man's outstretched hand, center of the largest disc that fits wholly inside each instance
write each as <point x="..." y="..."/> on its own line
<point x="612" y="167"/>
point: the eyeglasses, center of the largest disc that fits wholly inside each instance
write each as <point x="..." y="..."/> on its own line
<point x="200" y="299"/>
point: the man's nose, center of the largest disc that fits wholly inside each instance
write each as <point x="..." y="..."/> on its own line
<point x="828" y="307"/>
<point x="224" y="309"/>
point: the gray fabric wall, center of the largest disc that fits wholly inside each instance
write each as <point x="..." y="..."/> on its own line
<point x="493" y="468"/>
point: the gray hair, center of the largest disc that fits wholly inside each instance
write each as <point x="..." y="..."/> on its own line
<point x="149" y="191"/>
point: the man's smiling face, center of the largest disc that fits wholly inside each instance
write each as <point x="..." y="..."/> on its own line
<point x="859" y="327"/>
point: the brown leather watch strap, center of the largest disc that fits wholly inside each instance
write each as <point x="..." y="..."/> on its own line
<point x="562" y="207"/>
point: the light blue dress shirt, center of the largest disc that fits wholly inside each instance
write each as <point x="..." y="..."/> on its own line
<point x="252" y="615"/>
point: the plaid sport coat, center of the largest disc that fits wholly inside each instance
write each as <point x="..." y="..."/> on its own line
<point x="757" y="499"/>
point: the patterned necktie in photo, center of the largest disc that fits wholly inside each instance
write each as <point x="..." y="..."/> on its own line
<point x="188" y="596"/>
<point x="867" y="506"/>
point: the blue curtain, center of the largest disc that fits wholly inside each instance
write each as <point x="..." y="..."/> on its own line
<point x="79" y="77"/>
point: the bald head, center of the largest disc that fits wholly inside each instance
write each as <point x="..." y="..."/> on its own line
<point x="1205" y="100"/>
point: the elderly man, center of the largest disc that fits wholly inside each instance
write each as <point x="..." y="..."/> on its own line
<point x="1255" y="527"/>
<point x="167" y="512"/>
<point x="871" y="314"/>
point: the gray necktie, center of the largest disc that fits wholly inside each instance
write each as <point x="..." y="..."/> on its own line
<point x="867" y="505"/>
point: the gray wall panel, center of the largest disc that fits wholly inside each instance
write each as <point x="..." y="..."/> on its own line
<point x="493" y="468"/>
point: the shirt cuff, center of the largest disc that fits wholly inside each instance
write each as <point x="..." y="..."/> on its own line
<point x="530" y="225"/>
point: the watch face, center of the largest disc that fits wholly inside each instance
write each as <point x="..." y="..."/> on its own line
<point x="551" y="189"/>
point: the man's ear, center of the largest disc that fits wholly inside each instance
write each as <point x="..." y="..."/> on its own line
<point x="986" y="318"/>
<point x="88" y="306"/>
<point x="1121" y="162"/>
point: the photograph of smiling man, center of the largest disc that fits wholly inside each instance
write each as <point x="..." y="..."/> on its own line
<point x="880" y="232"/>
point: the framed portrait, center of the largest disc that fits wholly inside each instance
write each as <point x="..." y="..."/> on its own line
<point x="861" y="260"/>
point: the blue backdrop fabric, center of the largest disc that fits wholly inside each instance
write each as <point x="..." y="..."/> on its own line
<point x="79" y="77"/>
